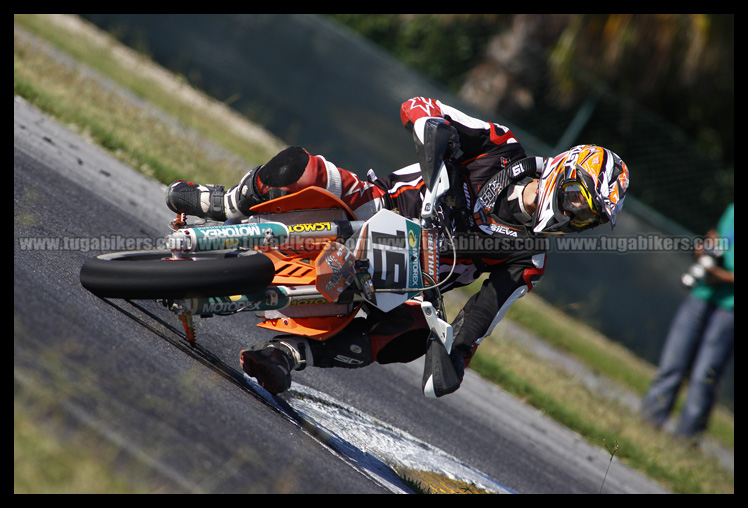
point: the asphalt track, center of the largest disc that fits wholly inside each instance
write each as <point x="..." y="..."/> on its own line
<point x="186" y="419"/>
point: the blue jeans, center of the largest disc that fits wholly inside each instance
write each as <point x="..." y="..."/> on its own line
<point x="701" y="339"/>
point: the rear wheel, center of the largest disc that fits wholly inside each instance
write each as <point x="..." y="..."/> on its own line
<point x="149" y="275"/>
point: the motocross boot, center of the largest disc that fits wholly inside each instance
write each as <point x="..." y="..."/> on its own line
<point x="213" y="201"/>
<point x="271" y="362"/>
<point x="205" y="201"/>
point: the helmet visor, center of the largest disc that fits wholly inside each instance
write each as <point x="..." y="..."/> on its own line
<point x="575" y="201"/>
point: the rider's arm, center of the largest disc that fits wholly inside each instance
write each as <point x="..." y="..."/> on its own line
<point x="483" y="311"/>
<point x="477" y="137"/>
<point x="419" y="107"/>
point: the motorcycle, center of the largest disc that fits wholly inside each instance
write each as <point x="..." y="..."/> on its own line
<point x="303" y="263"/>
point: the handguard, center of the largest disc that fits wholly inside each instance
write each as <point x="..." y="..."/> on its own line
<point x="439" y="374"/>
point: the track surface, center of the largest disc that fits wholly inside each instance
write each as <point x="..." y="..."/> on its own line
<point x="187" y="418"/>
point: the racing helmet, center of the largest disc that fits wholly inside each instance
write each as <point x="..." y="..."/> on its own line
<point x="580" y="189"/>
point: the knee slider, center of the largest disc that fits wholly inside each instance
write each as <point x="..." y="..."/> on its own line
<point x="282" y="171"/>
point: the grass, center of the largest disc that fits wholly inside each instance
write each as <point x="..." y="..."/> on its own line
<point x="139" y="136"/>
<point x="670" y="461"/>
<point x="604" y="356"/>
<point x="48" y="459"/>
<point x="165" y="140"/>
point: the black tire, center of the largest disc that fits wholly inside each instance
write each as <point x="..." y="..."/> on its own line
<point x="145" y="275"/>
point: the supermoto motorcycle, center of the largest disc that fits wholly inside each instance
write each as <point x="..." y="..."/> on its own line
<point x="302" y="263"/>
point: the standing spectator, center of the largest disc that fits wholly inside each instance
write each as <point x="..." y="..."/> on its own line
<point x="701" y="340"/>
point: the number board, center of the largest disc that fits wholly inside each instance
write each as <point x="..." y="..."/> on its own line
<point x="392" y="245"/>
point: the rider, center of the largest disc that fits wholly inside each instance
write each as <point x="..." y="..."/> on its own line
<point x="504" y="198"/>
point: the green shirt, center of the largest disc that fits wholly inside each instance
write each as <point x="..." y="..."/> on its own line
<point x="722" y="295"/>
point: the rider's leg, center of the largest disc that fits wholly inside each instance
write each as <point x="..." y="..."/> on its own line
<point x="291" y="170"/>
<point x="271" y="363"/>
<point x="398" y="336"/>
<point x="213" y="201"/>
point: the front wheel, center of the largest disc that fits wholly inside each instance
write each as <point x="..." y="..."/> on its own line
<point x="148" y="275"/>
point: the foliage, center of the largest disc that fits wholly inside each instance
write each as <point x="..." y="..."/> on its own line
<point x="441" y="46"/>
<point x="661" y="87"/>
<point x="663" y="61"/>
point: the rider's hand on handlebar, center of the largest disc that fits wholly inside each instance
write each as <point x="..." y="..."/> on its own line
<point x="453" y="150"/>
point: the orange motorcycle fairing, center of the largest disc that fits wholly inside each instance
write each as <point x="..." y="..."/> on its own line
<point x="292" y="268"/>
<point x="306" y="199"/>
<point x="321" y="328"/>
<point x="296" y="267"/>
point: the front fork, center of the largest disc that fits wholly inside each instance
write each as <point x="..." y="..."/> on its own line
<point x="430" y="267"/>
